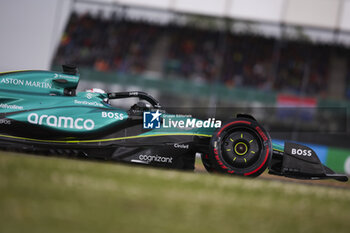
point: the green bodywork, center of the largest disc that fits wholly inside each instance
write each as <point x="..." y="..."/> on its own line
<point x="36" y="97"/>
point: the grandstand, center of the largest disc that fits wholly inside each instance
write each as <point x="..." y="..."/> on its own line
<point x="202" y="55"/>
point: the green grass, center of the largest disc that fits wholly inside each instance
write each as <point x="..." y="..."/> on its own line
<point x="47" y="194"/>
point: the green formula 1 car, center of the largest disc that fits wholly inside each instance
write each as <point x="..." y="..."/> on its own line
<point x="40" y="112"/>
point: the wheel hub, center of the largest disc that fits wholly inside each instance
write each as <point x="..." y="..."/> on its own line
<point x="241" y="148"/>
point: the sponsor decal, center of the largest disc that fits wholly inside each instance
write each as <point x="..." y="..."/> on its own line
<point x="88" y="103"/>
<point x="134" y="93"/>
<point x="65" y="76"/>
<point x="152" y="120"/>
<point x="181" y="146"/>
<point x="89" y="95"/>
<point x="113" y="115"/>
<point x="11" y="106"/>
<point x="27" y="83"/>
<point x="5" y="122"/>
<point x="155" y="158"/>
<point x="61" y="121"/>
<point x="301" y="152"/>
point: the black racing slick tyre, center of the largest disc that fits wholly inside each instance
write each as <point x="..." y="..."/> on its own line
<point x="240" y="147"/>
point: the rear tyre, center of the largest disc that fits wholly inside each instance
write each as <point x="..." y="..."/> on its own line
<point x="240" y="147"/>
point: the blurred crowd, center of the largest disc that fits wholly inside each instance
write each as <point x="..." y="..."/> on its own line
<point x="193" y="54"/>
<point x="206" y="56"/>
<point x="107" y="44"/>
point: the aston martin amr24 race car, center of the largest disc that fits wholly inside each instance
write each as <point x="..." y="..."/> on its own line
<point x="41" y="112"/>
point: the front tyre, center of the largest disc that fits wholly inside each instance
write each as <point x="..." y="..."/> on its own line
<point x="240" y="147"/>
